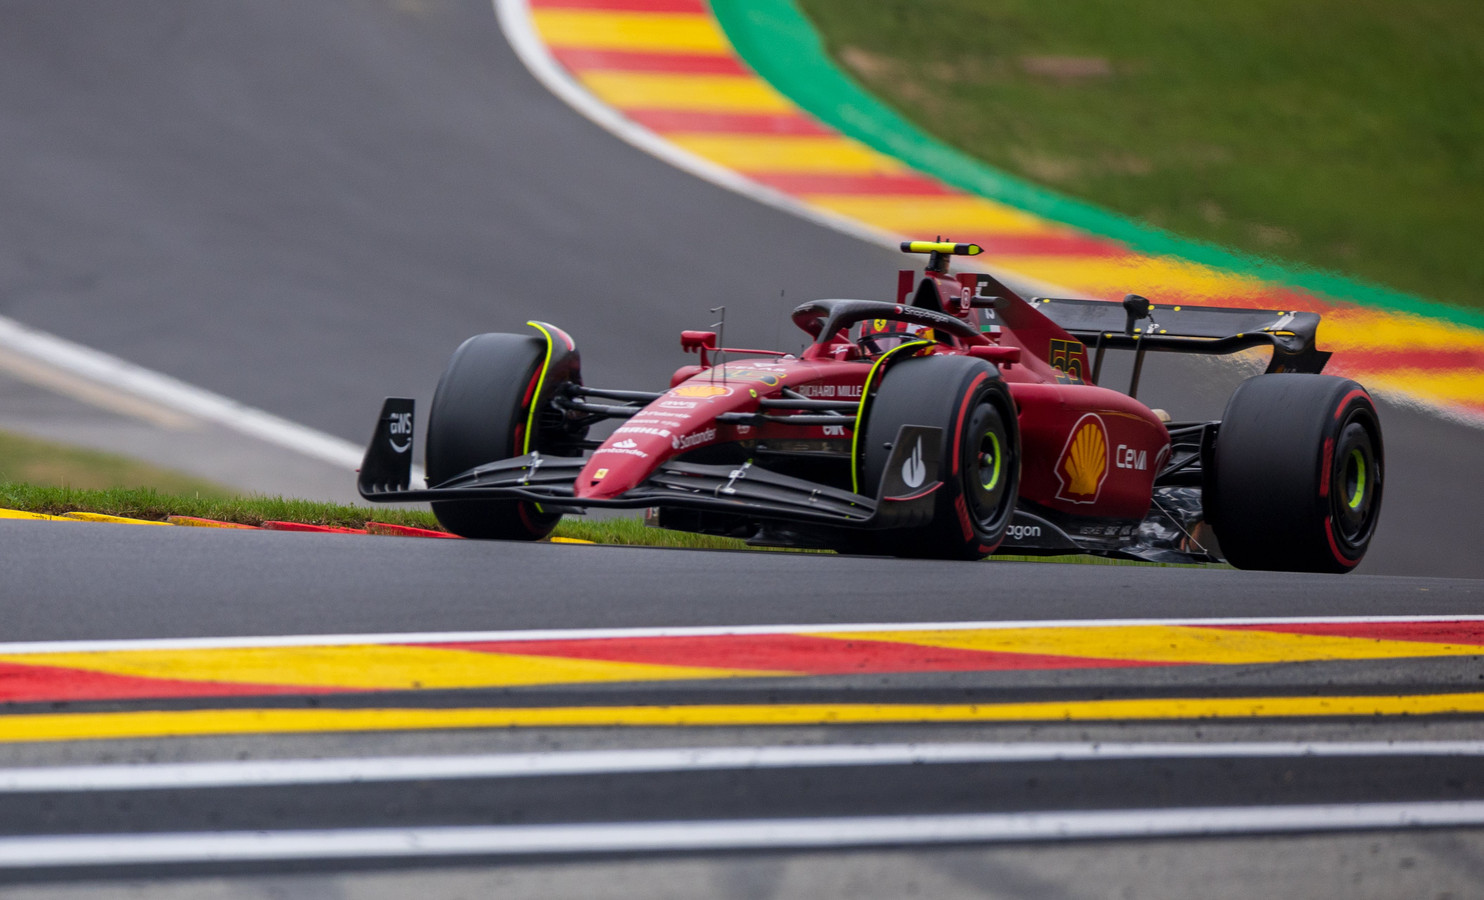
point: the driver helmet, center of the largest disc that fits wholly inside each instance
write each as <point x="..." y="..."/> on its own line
<point x="880" y="335"/>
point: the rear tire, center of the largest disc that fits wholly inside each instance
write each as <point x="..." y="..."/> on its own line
<point x="479" y="416"/>
<point x="980" y="467"/>
<point x="1295" y="483"/>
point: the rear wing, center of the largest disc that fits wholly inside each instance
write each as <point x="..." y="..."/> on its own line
<point x="1136" y="324"/>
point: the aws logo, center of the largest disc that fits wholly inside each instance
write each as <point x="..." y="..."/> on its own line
<point x="399" y="424"/>
<point x="1083" y="466"/>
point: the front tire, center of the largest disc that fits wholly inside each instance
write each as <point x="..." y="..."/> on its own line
<point x="479" y="415"/>
<point x="1296" y="479"/>
<point x="980" y="467"/>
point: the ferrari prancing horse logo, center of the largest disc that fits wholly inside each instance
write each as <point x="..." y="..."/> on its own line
<point x="1083" y="466"/>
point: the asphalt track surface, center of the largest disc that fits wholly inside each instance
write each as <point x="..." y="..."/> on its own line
<point x="306" y="206"/>
<point x="306" y="209"/>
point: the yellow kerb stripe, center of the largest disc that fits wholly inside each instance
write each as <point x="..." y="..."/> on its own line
<point x="1113" y="275"/>
<point x="769" y="153"/>
<point x="647" y="32"/>
<point x="967" y="216"/>
<point x="22" y="514"/>
<point x="708" y="93"/>
<point x="365" y="667"/>
<point x="117" y="520"/>
<point x="1462" y="386"/>
<point x="1169" y="644"/>
<point x="1353" y="326"/>
<point x="96" y="726"/>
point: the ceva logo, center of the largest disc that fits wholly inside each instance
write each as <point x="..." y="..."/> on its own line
<point x="914" y="470"/>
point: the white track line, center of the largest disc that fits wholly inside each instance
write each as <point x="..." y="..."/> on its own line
<point x="122" y="376"/>
<point x="743" y="834"/>
<point x="570" y="634"/>
<point x="264" y="773"/>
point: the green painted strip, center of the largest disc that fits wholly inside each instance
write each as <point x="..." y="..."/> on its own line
<point x="775" y="38"/>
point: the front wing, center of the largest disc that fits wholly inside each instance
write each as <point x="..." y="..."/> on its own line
<point x="743" y="490"/>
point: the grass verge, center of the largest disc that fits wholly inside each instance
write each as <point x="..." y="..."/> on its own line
<point x="155" y="505"/>
<point x="1340" y="134"/>
<point x="43" y="477"/>
<point x="44" y="463"/>
<point x="147" y="503"/>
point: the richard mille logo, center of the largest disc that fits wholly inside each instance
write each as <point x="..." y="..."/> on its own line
<point x="914" y="470"/>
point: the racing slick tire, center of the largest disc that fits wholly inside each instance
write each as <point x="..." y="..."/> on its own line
<point x="980" y="468"/>
<point x="1297" y="473"/>
<point x="479" y="415"/>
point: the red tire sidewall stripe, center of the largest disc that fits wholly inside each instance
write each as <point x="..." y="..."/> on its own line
<point x="1334" y="547"/>
<point x="1328" y="464"/>
<point x="963" y="414"/>
<point x="1345" y="403"/>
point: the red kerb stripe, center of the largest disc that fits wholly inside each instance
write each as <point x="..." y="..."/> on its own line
<point x="698" y="7"/>
<point x="1425" y="359"/>
<point x="1048" y="245"/>
<point x="803" y="654"/>
<point x="878" y="184"/>
<point x="668" y="121"/>
<point x="317" y="529"/>
<point x="579" y="59"/>
<point x="1429" y="632"/>
<point x="37" y="684"/>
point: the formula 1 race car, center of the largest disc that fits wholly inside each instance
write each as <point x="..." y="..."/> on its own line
<point x="960" y="420"/>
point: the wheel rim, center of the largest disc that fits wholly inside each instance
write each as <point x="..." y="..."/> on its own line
<point x="1356" y="481"/>
<point x="989" y="461"/>
<point x="989" y="469"/>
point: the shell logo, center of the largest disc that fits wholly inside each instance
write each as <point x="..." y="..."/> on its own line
<point x="701" y="390"/>
<point x="1083" y="466"/>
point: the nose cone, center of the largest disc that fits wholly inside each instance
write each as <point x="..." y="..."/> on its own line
<point x="623" y="462"/>
<point x="682" y="418"/>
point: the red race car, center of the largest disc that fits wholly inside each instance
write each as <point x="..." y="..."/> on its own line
<point x="960" y="421"/>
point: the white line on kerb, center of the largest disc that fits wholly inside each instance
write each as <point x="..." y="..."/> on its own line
<point x="743" y="834"/>
<point x="264" y="773"/>
<point x="575" y="634"/>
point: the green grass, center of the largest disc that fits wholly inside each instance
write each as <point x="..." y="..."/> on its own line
<point x="155" y="505"/>
<point x="48" y="464"/>
<point x="43" y="477"/>
<point x="148" y="503"/>
<point x="1338" y="134"/>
